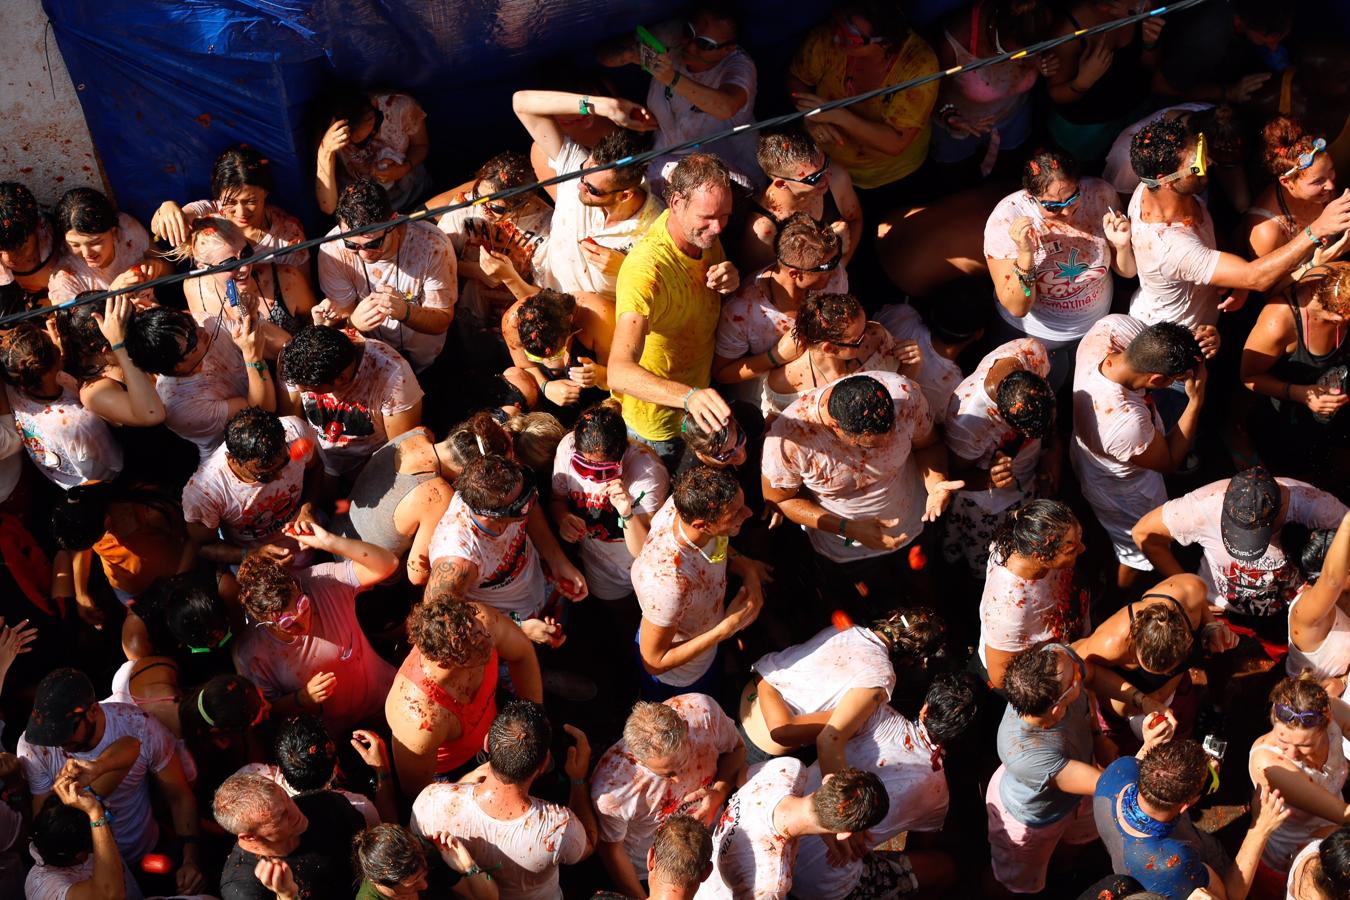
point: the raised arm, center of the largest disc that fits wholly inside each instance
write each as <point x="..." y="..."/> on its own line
<point x="536" y="111"/>
<point x="139" y="404"/>
<point x="373" y="564"/>
<point x="1310" y="619"/>
<point x="1265" y="272"/>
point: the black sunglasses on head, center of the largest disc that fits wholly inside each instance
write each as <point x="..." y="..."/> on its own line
<point x="375" y="129"/>
<point x="519" y="506"/>
<point x="705" y="43"/>
<point x="242" y="256"/>
<point x="828" y="266"/>
<point x="815" y="177"/>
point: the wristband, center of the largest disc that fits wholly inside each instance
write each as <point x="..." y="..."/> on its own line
<point x="120" y="345"/>
<point x="843" y="527"/>
<point x="676" y="80"/>
<point x="577" y="782"/>
<point x="381" y="776"/>
<point x="692" y="392"/>
<point x="478" y="870"/>
<point x="1152" y="46"/>
<point x="259" y="365"/>
<point x="101" y="823"/>
<point x="774" y="361"/>
<point x="1307" y="231"/>
<point x="586" y="106"/>
<point x="1288" y="386"/>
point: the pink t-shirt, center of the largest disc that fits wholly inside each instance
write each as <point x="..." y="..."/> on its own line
<point x="282" y="230"/>
<point x="751" y="860"/>
<point x="1017" y="613"/>
<point x="631" y="801"/>
<point x="813" y="677"/>
<point x="423" y="264"/>
<point x="1262" y="587"/>
<point x="909" y="764"/>
<point x="1072" y="261"/>
<point x="523" y="854"/>
<point x="136" y="832"/>
<point x="351" y="427"/>
<point x="510" y="578"/>
<point x="604" y="553"/>
<point x="846" y="479"/>
<point x="197" y="406"/>
<point x="975" y="431"/>
<point x="68" y="443"/>
<point x="248" y="514"/>
<point x="73" y="275"/>
<point x="1176" y="262"/>
<point x="678" y="588"/>
<point x="335" y="643"/>
<point x="938" y="376"/>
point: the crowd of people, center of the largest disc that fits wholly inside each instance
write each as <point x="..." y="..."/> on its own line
<point x="940" y="496"/>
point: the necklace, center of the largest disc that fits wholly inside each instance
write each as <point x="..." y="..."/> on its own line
<point x="720" y="544"/>
<point x="1139" y="820"/>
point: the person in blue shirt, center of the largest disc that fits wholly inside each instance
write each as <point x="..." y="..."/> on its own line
<point x="1139" y="805"/>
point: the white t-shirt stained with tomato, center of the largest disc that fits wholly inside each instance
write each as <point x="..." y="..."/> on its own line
<point x="1176" y="262"/>
<point x="678" y="588"/>
<point x="197" y="406"/>
<point x="510" y="578"/>
<point x="751" y="859"/>
<point x="631" y="801"/>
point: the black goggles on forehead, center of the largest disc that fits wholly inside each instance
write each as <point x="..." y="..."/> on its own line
<point x="518" y="507"/>
<point x="827" y="266"/>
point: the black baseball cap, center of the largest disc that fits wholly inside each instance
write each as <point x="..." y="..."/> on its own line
<point x="1251" y="505"/>
<point x="64" y="697"/>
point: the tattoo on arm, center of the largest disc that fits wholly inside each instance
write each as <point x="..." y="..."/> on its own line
<point x="449" y="580"/>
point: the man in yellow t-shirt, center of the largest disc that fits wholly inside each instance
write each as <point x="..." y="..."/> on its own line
<point x="669" y="300"/>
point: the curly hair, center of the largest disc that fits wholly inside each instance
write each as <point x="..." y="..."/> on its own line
<point x="476" y="437"/>
<point x="783" y="150"/>
<point x="851" y="801"/>
<point x="266" y="587"/>
<point x="826" y="317"/>
<point x="317" y="355"/>
<point x="86" y="211"/>
<point x="449" y="633"/>
<point x="255" y="435"/>
<point x="363" y="202"/>
<point x="861" y="405"/>
<point x="27" y="354"/>
<point x="487" y="482"/>
<point x="622" y="143"/>
<point x="1037" y="529"/>
<point x="20" y="216"/>
<point x="803" y="243"/>
<point x="1026" y="401"/>
<point x="1156" y="149"/>
<point x="544" y="322"/>
<point x="695" y="172"/>
<point x="704" y="493"/>
<point x="914" y="636"/>
<point x="1161" y="636"/>
<point x="240" y="167"/>
<point x="601" y="429"/>
<point x="1166" y="349"/>
<point x="1173" y="773"/>
<point x="503" y="172"/>
<point x="1044" y="167"/>
<point x="1331" y="287"/>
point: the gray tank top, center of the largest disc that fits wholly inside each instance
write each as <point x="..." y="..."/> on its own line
<point x="376" y="495"/>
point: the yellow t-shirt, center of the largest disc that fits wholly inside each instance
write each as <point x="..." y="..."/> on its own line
<point x="820" y="63"/>
<point x="670" y="289"/>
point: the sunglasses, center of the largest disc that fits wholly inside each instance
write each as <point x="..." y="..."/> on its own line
<point x="593" y="190"/>
<point x="1056" y="205"/>
<point x="725" y="456"/>
<point x="852" y="345"/>
<point x="705" y="43"/>
<point x="190" y="343"/>
<point x="224" y="639"/>
<point x="243" y="256"/>
<point x="846" y="34"/>
<point x="1306" y="159"/>
<point x="518" y="507"/>
<point x="1308" y="718"/>
<point x="374" y="130"/>
<point x="828" y="266"/>
<point x="815" y="177"/>
<point x="376" y="241"/>
<point x="287" y="621"/>
<point x="594" y="471"/>
<point x="502" y="208"/>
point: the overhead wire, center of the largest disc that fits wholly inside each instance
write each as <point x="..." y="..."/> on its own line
<point x="646" y="156"/>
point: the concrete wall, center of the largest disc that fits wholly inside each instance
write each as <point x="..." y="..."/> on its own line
<point x="44" y="141"/>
